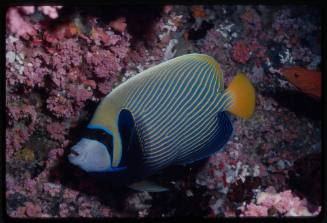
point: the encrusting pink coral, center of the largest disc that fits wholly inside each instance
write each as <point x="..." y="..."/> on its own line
<point x="56" y="130"/>
<point x="27" y="9"/>
<point x="32" y="210"/>
<point x="103" y="62"/>
<point x="285" y="203"/>
<point x="214" y="45"/>
<point x="252" y="22"/>
<point x="17" y="24"/>
<point x="106" y="212"/>
<point x="51" y="11"/>
<point x="63" y="210"/>
<point x="55" y="61"/>
<point x="241" y="52"/>
<point x="70" y="194"/>
<point x="52" y="189"/>
<point x="60" y="106"/>
<point x="255" y="210"/>
<point x="119" y="24"/>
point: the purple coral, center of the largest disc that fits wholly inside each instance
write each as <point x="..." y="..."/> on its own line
<point x="255" y="210"/>
<point x="28" y="67"/>
<point x="27" y="9"/>
<point x="251" y="22"/>
<point x="56" y="130"/>
<point x="51" y="11"/>
<point x="285" y="203"/>
<point x="241" y="52"/>
<point x="32" y="210"/>
<point x="103" y="62"/>
<point x="17" y="24"/>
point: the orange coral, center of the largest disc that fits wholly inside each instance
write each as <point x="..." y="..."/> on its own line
<point x="99" y="34"/>
<point x="167" y="8"/>
<point x="119" y="24"/>
<point x="71" y="30"/>
<point x="198" y="11"/>
<point x="248" y="15"/>
<point x="177" y="21"/>
<point x="64" y="30"/>
<point x="186" y="35"/>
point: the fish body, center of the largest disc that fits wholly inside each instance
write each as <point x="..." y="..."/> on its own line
<point x="308" y="81"/>
<point x="171" y="114"/>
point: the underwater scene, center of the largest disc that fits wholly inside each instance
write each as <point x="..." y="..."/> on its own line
<point x="163" y="111"/>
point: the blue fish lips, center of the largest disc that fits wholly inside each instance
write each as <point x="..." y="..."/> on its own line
<point x="76" y="155"/>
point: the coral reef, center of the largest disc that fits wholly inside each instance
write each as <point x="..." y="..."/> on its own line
<point x="278" y="204"/>
<point x="60" y="62"/>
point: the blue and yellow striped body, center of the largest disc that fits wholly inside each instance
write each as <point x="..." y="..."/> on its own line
<point x="178" y="109"/>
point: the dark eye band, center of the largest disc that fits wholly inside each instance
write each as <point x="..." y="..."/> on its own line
<point x="101" y="136"/>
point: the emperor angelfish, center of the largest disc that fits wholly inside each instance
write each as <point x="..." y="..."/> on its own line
<point x="171" y="114"/>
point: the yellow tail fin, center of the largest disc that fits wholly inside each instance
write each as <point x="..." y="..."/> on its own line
<point x="243" y="96"/>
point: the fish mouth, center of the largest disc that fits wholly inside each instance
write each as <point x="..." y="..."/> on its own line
<point x="73" y="154"/>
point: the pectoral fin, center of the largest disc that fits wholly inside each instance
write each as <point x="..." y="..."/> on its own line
<point x="147" y="186"/>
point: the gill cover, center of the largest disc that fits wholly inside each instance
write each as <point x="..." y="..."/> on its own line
<point x="90" y="155"/>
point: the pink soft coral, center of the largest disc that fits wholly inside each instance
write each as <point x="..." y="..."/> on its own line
<point x="241" y="52"/>
<point x="57" y="130"/>
<point x="60" y="106"/>
<point x="119" y="24"/>
<point x="27" y="9"/>
<point x="103" y="62"/>
<point x="33" y="210"/>
<point x="255" y="210"/>
<point x="251" y="22"/>
<point x="17" y="24"/>
<point x="285" y="203"/>
<point x="18" y="21"/>
<point x="22" y="126"/>
<point x="51" y="11"/>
